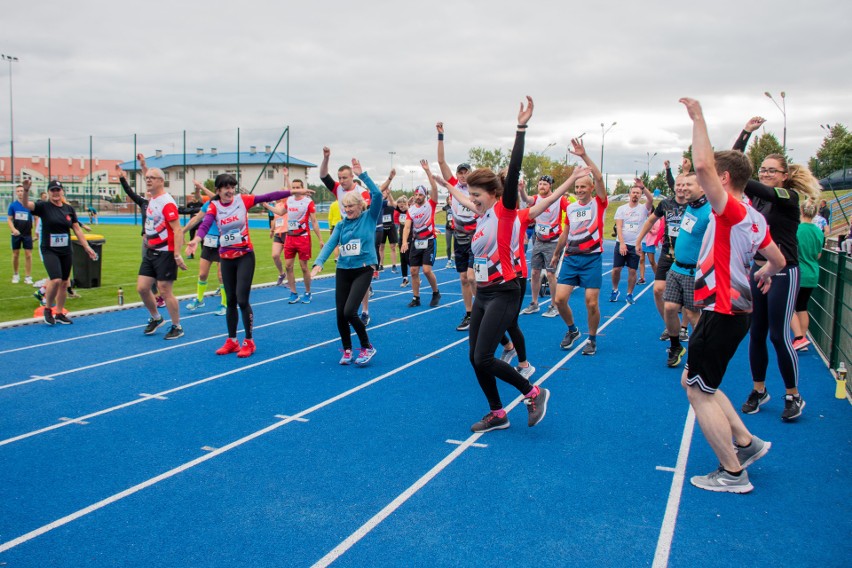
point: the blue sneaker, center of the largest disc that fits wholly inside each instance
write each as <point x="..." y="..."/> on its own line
<point x="364" y="355"/>
<point x="630" y="299"/>
<point x="194" y="304"/>
<point x="306" y="299"/>
<point x="223" y="310"/>
<point x="294" y="298"/>
<point x="614" y="296"/>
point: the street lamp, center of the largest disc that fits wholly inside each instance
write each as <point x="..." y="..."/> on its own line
<point x="650" y="157"/>
<point x="783" y="108"/>
<point x="11" y="59"/>
<point x="392" y="154"/>
<point x="603" y="135"/>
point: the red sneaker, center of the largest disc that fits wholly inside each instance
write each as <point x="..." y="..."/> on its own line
<point x="247" y="349"/>
<point x="230" y="346"/>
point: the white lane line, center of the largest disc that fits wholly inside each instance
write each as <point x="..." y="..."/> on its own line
<point x="664" y="542"/>
<point x="207" y="379"/>
<point x="285" y="417"/>
<point x="157" y="396"/>
<point x="215" y="452"/>
<point x="666" y="468"/>
<point x="389" y="509"/>
<point x="459" y="443"/>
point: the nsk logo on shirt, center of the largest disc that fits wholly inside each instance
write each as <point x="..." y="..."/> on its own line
<point x="298" y="212"/>
<point x="421" y="220"/>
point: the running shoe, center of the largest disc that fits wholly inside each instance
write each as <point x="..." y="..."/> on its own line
<point x="48" y="316"/>
<point x="721" y="480"/>
<point x="613" y="297"/>
<point x="508" y="355"/>
<point x="630" y="299"/>
<point x="415" y="301"/>
<point x="531" y="309"/>
<point x="16" y="279"/>
<point x="404" y="283"/>
<point x="174" y="332"/>
<point x="591" y="348"/>
<point x="230" y="346"/>
<point x="365" y="318"/>
<point x="62" y="318"/>
<point x="451" y="264"/>
<point x="221" y="311"/>
<point x="161" y="303"/>
<point x="537" y="405"/>
<point x="436" y="299"/>
<point x="153" y="325"/>
<point x="306" y="298"/>
<point x="28" y="280"/>
<point x="490" y="422"/>
<point x="675" y="355"/>
<point x="749" y="454"/>
<point x="683" y="335"/>
<point x="294" y="298"/>
<point x="465" y="323"/>
<point x="364" y="355"/>
<point x="372" y="292"/>
<point x="525" y="372"/>
<point x="665" y="335"/>
<point x="375" y="275"/>
<point x="280" y="280"/>
<point x="393" y="269"/>
<point x="75" y="295"/>
<point x="640" y="281"/>
<point x="347" y="357"/>
<point x="218" y="291"/>
<point x="39" y="295"/>
<point x="755" y="401"/>
<point x="551" y="312"/>
<point x="793" y="406"/>
<point x="569" y="339"/>
<point x="801" y="344"/>
<point x="40" y="283"/>
<point x="194" y="304"/>
<point x="247" y="349"/>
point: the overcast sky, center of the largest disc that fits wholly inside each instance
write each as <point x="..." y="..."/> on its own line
<point x="373" y="77"/>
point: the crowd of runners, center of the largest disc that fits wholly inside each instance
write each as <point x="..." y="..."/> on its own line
<point x="729" y="255"/>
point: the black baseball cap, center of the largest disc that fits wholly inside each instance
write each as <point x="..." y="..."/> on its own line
<point x="546" y="178"/>
<point x="55" y="184"/>
<point x="464" y="166"/>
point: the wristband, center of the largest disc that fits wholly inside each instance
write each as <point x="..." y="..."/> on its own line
<point x="440" y="136"/>
<point x="522" y="126"/>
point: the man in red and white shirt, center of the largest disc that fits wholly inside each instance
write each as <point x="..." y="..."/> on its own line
<point x="735" y="233"/>
<point x="163" y="241"/>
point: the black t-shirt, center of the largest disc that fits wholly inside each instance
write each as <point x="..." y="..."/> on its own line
<point x="56" y="223"/>
<point x="387" y="216"/>
<point x="672" y="213"/>
<point x="780" y="208"/>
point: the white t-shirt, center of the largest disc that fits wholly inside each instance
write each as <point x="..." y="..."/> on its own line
<point x="633" y="217"/>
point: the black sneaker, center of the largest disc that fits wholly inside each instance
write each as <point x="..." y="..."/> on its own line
<point x="675" y="355"/>
<point x="591" y="348"/>
<point x="174" y="332"/>
<point x="569" y="339"/>
<point x="793" y="406"/>
<point x="436" y="299"/>
<point x="490" y="422"/>
<point x="153" y="325"/>
<point x="465" y="323"/>
<point x="415" y="301"/>
<point x="48" y="316"/>
<point x="365" y="318"/>
<point x="755" y="401"/>
<point x="537" y="406"/>
<point x="63" y="319"/>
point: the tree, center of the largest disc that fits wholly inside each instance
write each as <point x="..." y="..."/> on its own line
<point x="766" y="144"/>
<point x="621" y="188"/>
<point x="659" y="182"/>
<point x="495" y="159"/>
<point x="834" y="154"/>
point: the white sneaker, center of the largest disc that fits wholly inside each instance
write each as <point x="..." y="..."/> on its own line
<point x="28" y="280"/>
<point x="16" y="279"/>
<point x="551" y="312"/>
<point x="508" y="355"/>
<point x="526" y="372"/>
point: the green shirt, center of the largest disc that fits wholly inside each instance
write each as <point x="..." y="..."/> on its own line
<point x="811" y="240"/>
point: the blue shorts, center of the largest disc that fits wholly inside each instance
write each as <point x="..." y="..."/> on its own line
<point x="582" y="270"/>
<point x="631" y="259"/>
<point x="649" y="248"/>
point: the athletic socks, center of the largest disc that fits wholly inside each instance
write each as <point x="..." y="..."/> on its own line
<point x="572" y="328"/>
<point x="224" y="297"/>
<point x="499" y="413"/>
<point x="202" y="287"/>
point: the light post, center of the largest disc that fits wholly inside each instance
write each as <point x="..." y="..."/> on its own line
<point x="603" y="135"/>
<point x="650" y="157"/>
<point x="783" y="108"/>
<point x="392" y="154"/>
<point x="11" y="59"/>
<point x="412" y="179"/>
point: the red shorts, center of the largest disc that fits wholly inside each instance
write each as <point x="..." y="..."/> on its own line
<point x="300" y="245"/>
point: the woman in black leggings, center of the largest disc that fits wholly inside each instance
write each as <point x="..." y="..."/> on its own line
<point x="495" y="248"/>
<point x="229" y="211"/>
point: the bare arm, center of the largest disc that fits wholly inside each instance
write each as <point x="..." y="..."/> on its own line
<point x="649" y="222"/>
<point x="315" y="225"/>
<point x="27" y="184"/>
<point x="702" y="158"/>
<point x="326" y="154"/>
<point x="406" y="231"/>
<point x="775" y="262"/>
<point x="580" y="151"/>
<point x="433" y="186"/>
<point x="542" y="204"/>
<point x="175" y="225"/>
<point x="442" y="162"/>
<point x="560" y="246"/>
<point x="81" y="238"/>
<point x="387" y="183"/>
<point x="456" y="193"/>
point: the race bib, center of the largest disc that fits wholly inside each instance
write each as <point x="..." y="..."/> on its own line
<point x="688" y="222"/>
<point x="234" y="238"/>
<point x="421" y="244"/>
<point x="580" y="215"/>
<point x="542" y="229"/>
<point x="352" y="248"/>
<point x="387" y="218"/>
<point x="292" y="225"/>
<point x="402" y="218"/>
<point x="480" y="269"/>
<point x="279" y="222"/>
<point x="22" y="216"/>
<point x="631" y="226"/>
<point x="210" y="241"/>
<point x="149" y="225"/>
<point x="59" y="240"/>
<point x="673" y="230"/>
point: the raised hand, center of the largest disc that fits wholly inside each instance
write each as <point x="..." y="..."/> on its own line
<point x="693" y="107"/>
<point x="356" y="167"/>
<point x="27" y="184"/>
<point x="440" y="127"/>
<point x="392" y="173"/>
<point x="285" y="171"/>
<point x="141" y="158"/>
<point x="754" y="123"/>
<point x="326" y="152"/>
<point x="577" y="147"/>
<point x="667" y="164"/>
<point x="686" y="165"/>
<point x="425" y="165"/>
<point x="197" y="184"/>
<point x="525" y="114"/>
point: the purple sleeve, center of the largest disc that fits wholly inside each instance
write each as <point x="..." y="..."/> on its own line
<point x="206" y="223"/>
<point x="273" y="196"/>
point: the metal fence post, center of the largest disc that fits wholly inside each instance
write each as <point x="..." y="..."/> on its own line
<point x="838" y="311"/>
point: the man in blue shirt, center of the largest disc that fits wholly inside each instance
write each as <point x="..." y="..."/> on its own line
<point x="21" y="226"/>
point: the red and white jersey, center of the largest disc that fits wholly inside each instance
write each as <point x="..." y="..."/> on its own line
<point x="161" y="211"/>
<point x="524" y="222"/>
<point x="232" y="221"/>
<point x="548" y="225"/>
<point x="339" y="192"/>
<point x="298" y="215"/>
<point x="722" y="274"/>
<point x="464" y="219"/>
<point x="422" y="220"/>
<point x="585" y="227"/>
<point x="495" y="246"/>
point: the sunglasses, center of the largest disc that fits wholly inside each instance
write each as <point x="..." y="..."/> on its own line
<point x="55" y="189"/>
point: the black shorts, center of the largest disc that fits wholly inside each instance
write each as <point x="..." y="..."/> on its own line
<point x="803" y="298"/>
<point x="57" y="265"/>
<point x="631" y="259"/>
<point x="462" y="254"/>
<point x="22" y="241"/>
<point x="663" y="266"/>
<point x="159" y="265"/>
<point x="712" y="346"/>
<point x="279" y="238"/>
<point x="210" y="254"/>
<point x="389" y="235"/>
<point x="421" y="256"/>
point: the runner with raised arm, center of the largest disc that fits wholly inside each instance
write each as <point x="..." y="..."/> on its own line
<point x="420" y="229"/>
<point x="209" y="255"/>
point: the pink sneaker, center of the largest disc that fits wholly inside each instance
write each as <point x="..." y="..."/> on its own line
<point x="801" y="344"/>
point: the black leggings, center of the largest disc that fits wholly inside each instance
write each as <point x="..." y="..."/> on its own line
<point x="237" y="275"/>
<point x="494" y="309"/>
<point x="403" y="261"/>
<point x="514" y="333"/>
<point x="771" y="316"/>
<point x="351" y="285"/>
<point x="449" y="234"/>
